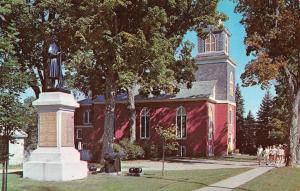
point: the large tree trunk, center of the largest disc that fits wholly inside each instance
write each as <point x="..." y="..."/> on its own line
<point x="294" y="129"/>
<point x="132" y="114"/>
<point x="109" y="120"/>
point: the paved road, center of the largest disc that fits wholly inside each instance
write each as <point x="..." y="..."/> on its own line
<point x="236" y="181"/>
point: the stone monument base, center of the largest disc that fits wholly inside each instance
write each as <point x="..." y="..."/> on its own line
<point x="55" y="164"/>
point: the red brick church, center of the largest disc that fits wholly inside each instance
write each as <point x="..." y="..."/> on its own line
<point x="204" y="115"/>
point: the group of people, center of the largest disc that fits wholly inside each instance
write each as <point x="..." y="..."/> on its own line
<point x="272" y="155"/>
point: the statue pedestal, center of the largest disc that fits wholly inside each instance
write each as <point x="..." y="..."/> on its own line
<point x="55" y="159"/>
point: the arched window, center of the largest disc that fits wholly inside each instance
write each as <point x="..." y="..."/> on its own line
<point x="210" y="123"/>
<point x="231" y="84"/>
<point x="87" y="117"/>
<point x="145" y="123"/>
<point x="180" y="122"/>
<point x="210" y="43"/>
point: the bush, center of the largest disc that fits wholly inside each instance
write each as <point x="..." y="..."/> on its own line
<point x="154" y="152"/>
<point x="132" y="150"/>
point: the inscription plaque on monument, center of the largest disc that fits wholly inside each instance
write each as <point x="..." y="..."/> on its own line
<point x="67" y="128"/>
<point x="47" y="131"/>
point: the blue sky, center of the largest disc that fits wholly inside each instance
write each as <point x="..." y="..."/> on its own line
<point x="252" y="95"/>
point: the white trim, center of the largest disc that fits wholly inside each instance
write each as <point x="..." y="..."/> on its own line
<point x="209" y="99"/>
<point x="183" y="113"/>
<point x="211" y="37"/>
<point x="225" y="102"/>
<point x="147" y="115"/>
<point x="210" y="123"/>
<point x="83" y="126"/>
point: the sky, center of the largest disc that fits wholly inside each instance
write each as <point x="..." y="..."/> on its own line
<point x="252" y="95"/>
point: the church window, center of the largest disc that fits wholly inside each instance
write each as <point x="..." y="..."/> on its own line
<point x="78" y="133"/>
<point x="145" y="123"/>
<point x="210" y="43"/>
<point x="181" y="151"/>
<point x="226" y="44"/>
<point x="210" y="123"/>
<point x="181" y="123"/>
<point x="87" y="117"/>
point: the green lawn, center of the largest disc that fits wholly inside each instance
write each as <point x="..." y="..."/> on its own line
<point x="279" y="179"/>
<point x="172" y="181"/>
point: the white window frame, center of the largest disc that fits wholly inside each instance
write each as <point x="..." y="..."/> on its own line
<point x="211" y="42"/>
<point x="180" y="111"/>
<point x="145" y="112"/>
<point x="77" y="137"/>
<point x="89" y="117"/>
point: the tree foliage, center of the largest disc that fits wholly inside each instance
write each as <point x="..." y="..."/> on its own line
<point x="273" y="37"/>
<point x="249" y="135"/>
<point x="12" y="81"/>
<point x="265" y="121"/>
<point x="169" y="141"/>
<point x="240" y="110"/>
<point x="133" y="37"/>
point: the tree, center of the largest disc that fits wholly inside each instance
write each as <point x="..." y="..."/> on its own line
<point x="239" y="117"/>
<point x="35" y="22"/>
<point x="168" y="138"/>
<point x="12" y="81"/>
<point x="276" y="54"/>
<point x="131" y="37"/>
<point x="30" y="125"/>
<point x="249" y="134"/>
<point x="265" y="121"/>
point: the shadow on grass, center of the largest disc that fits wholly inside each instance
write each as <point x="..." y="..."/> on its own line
<point x="18" y="173"/>
<point x="206" y="162"/>
<point x="38" y="188"/>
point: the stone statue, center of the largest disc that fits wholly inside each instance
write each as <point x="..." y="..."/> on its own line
<point x="54" y="67"/>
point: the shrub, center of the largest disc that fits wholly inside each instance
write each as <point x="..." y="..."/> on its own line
<point x="132" y="150"/>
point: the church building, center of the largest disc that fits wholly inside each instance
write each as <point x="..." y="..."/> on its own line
<point x="204" y="115"/>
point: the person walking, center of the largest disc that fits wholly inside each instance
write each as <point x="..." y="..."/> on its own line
<point x="259" y="154"/>
<point x="266" y="155"/>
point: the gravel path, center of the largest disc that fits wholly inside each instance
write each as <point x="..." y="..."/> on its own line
<point x="187" y="164"/>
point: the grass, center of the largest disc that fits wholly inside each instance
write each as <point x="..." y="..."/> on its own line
<point x="279" y="179"/>
<point x="151" y="181"/>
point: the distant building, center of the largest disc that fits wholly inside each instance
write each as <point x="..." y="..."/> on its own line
<point x="16" y="149"/>
<point x="204" y="115"/>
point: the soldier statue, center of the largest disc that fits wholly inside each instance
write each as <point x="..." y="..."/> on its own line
<point x="54" y="67"/>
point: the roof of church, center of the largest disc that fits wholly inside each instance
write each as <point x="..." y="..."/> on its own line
<point x="200" y="89"/>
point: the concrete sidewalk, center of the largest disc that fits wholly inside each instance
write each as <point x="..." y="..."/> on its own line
<point x="236" y="181"/>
